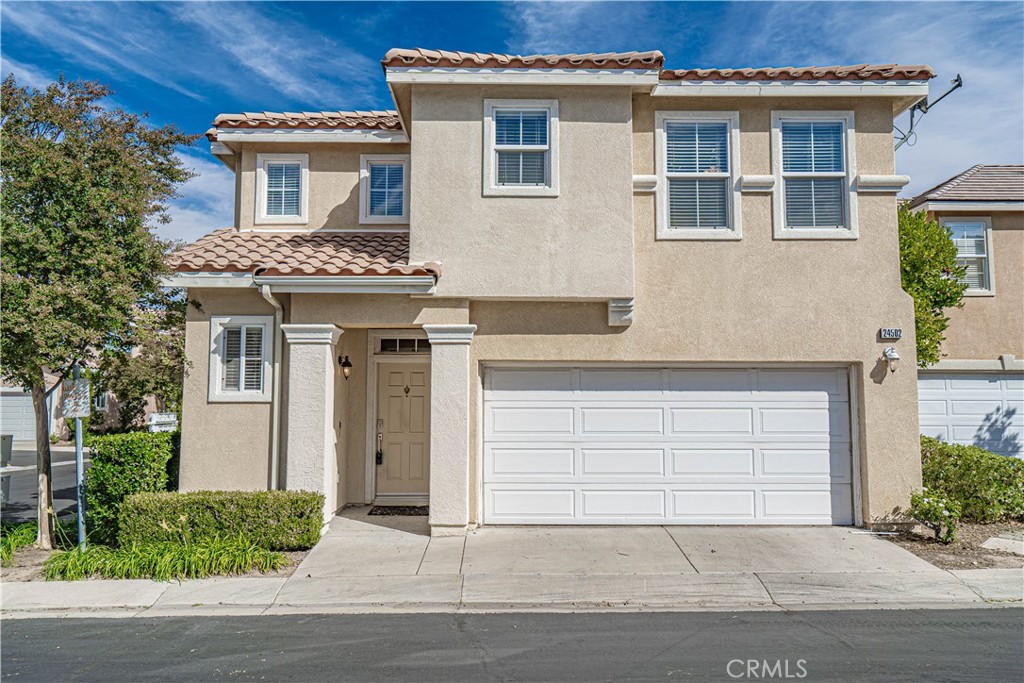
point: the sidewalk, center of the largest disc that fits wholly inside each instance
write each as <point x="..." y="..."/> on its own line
<point x="390" y="564"/>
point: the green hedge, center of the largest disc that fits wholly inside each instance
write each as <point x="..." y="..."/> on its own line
<point x="122" y="464"/>
<point x="275" y="520"/>
<point x="988" y="487"/>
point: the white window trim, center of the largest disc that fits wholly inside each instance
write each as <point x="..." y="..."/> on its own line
<point x="491" y="187"/>
<point x="779" y="230"/>
<point x="664" y="231"/>
<point x="990" y="273"/>
<point x="365" y="161"/>
<point x="261" y="217"/>
<point x="217" y="326"/>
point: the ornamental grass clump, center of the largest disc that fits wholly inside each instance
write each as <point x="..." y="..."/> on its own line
<point x="13" y="537"/>
<point x="938" y="513"/>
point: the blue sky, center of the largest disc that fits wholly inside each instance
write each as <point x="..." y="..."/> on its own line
<point x="186" y="62"/>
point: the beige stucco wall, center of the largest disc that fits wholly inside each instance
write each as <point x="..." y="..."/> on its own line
<point x="753" y="301"/>
<point x="575" y="245"/>
<point x="333" y="184"/>
<point x="990" y="326"/>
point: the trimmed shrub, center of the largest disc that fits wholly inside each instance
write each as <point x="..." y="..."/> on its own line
<point x="939" y="514"/>
<point x="163" y="561"/>
<point x="122" y="464"/>
<point x="986" y="486"/>
<point x="275" y="520"/>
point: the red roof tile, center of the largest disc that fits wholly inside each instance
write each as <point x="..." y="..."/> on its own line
<point x="353" y="120"/>
<point x="299" y="253"/>
<point x="981" y="183"/>
<point x="855" y="72"/>
<point x="653" y="59"/>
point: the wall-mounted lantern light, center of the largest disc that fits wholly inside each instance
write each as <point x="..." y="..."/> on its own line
<point x="891" y="357"/>
<point x="346" y="366"/>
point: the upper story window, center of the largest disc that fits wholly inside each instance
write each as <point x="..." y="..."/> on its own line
<point x="240" y="359"/>
<point x="99" y="402"/>
<point x="521" y="147"/>
<point x="812" y="154"/>
<point x="282" y="188"/>
<point x="384" y="188"/>
<point x="698" y="164"/>
<point x="973" y="239"/>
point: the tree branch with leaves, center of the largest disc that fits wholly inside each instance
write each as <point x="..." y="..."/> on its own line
<point x="83" y="185"/>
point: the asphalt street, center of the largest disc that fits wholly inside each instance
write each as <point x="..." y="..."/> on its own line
<point x="939" y="645"/>
<point x="22" y="504"/>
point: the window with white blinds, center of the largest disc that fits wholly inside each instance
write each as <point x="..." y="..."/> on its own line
<point x="814" y="174"/>
<point x="521" y="155"/>
<point x="281" y="188"/>
<point x="384" y="188"/>
<point x="972" y="251"/>
<point x="239" y="358"/>
<point x="696" y="166"/>
<point x="284" y="185"/>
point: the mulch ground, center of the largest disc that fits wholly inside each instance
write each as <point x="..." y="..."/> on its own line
<point x="966" y="552"/>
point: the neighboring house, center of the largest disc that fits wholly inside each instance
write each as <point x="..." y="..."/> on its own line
<point x="566" y="289"/>
<point x="975" y="394"/>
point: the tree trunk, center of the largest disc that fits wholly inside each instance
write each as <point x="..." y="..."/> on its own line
<point x="44" y="510"/>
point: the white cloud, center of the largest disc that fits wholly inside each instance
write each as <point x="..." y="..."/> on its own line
<point x="25" y="74"/>
<point x="205" y="203"/>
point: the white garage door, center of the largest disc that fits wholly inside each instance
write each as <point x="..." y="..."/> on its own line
<point x="667" y="446"/>
<point x="16" y="415"/>
<point x="985" y="409"/>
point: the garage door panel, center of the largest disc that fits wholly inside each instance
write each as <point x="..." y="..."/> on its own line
<point x="617" y="462"/>
<point x="712" y="462"/>
<point x="512" y="383"/>
<point x="932" y="407"/>
<point x="975" y="383"/>
<point x="635" y="503"/>
<point x="676" y="446"/>
<point x="712" y="420"/>
<point x="620" y="420"/>
<point x="981" y="408"/>
<point x="984" y="409"/>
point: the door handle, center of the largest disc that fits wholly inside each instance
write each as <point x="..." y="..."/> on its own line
<point x="380" y="448"/>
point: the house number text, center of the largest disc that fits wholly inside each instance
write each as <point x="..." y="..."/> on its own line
<point x="890" y="333"/>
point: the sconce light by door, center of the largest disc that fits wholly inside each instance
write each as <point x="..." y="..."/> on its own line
<point x="346" y="366"/>
<point x="891" y="357"/>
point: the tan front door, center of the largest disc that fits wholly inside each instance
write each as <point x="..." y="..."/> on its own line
<point x="403" y="429"/>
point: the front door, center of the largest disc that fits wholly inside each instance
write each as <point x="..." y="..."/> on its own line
<point x="403" y="431"/>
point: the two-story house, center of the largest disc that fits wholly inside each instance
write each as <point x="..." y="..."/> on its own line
<point x="975" y="394"/>
<point x="564" y="289"/>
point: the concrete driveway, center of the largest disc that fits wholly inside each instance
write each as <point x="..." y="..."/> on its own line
<point x="359" y="545"/>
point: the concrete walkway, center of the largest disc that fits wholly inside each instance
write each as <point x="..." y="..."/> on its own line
<point x="391" y="564"/>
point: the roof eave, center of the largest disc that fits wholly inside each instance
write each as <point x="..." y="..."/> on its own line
<point x="307" y="284"/>
<point x="520" y="76"/>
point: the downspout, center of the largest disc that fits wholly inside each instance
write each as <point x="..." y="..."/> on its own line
<point x="275" y="406"/>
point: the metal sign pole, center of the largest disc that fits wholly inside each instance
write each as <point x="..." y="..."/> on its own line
<point x="79" y="474"/>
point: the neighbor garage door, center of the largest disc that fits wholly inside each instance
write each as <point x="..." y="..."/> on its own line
<point x="667" y="446"/>
<point x="986" y="409"/>
<point x="16" y="416"/>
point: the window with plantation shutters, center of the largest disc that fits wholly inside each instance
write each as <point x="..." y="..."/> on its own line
<point x="522" y="147"/>
<point x="384" y="188"/>
<point x="696" y="175"/>
<point x="281" y="188"/>
<point x="814" y="170"/>
<point x="971" y="237"/>
<point x="239" y="358"/>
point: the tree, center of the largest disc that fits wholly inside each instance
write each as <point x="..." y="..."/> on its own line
<point x="155" y="366"/>
<point x="83" y="183"/>
<point x="930" y="274"/>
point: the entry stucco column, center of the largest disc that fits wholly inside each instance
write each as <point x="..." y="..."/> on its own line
<point x="311" y="461"/>
<point x="449" y="428"/>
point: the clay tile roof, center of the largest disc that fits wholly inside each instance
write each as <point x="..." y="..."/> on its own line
<point x="855" y="72"/>
<point x="981" y="183"/>
<point x="363" y="120"/>
<point x="299" y="253"/>
<point x="653" y="59"/>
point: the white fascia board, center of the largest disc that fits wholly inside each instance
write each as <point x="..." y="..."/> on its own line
<point x="312" y="135"/>
<point x="791" y="89"/>
<point x="412" y="74"/>
<point x="204" y="280"/>
<point x="940" y="206"/>
<point x="349" y="284"/>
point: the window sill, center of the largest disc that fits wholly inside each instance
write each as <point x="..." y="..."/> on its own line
<point x="384" y="220"/>
<point x="669" y="234"/>
<point x="517" y="191"/>
<point x="814" y="234"/>
<point x="239" y="397"/>
<point x="281" y="220"/>
<point x="979" y="293"/>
